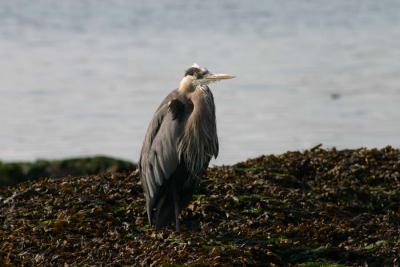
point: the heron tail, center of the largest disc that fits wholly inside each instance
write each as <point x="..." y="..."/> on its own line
<point x="164" y="213"/>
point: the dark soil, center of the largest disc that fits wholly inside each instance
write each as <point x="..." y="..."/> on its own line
<point x="313" y="208"/>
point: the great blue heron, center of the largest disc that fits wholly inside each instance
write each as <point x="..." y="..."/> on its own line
<point x="179" y="144"/>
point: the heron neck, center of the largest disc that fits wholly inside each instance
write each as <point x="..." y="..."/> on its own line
<point x="185" y="86"/>
<point x="203" y="115"/>
<point x="199" y="141"/>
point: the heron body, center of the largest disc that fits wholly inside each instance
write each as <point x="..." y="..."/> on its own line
<point x="179" y="144"/>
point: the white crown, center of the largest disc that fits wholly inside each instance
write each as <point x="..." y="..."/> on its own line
<point x="195" y="65"/>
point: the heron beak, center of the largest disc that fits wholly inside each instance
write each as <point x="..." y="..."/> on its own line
<point x="217" y="77"/>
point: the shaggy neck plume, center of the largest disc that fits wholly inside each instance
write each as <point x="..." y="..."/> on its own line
<point x="197" y="149"/>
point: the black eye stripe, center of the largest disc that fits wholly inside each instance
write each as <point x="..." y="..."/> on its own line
<point x="190" y="71"/>
<point x="199" y="73"/>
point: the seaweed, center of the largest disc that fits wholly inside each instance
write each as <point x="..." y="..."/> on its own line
<point x="313" y="208"/>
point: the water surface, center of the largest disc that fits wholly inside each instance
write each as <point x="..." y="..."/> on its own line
<point x="84" y="77"/>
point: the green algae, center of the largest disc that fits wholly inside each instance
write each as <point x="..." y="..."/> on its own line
<point x="17" y="172"/>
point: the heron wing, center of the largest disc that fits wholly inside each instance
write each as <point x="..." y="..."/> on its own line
<point x="159" y="158"/>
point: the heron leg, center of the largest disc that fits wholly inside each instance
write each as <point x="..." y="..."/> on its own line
<point x="149" y="211"/>
<point x="176" y="207"/>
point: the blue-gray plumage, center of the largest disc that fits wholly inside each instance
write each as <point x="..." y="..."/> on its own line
<point x="179" y="144"/>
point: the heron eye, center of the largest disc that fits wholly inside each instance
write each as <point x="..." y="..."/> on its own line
<point x="204" y="72"/>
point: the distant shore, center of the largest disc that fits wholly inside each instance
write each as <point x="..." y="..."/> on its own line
<point x="313" y="208"/>
<point x="16" y="172"/>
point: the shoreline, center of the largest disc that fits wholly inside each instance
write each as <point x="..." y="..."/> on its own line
<point x="310" y="208"/>
<point x="12" y="173"/>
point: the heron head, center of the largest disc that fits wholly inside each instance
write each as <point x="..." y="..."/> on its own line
<point x="197" y="76"/>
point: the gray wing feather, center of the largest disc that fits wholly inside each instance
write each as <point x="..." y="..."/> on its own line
<point x="159" y="156"/>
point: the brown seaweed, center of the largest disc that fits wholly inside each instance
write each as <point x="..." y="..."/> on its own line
<point x="312" y="208"/>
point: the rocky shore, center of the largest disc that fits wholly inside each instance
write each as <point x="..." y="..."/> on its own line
<point x="313" y="208"/>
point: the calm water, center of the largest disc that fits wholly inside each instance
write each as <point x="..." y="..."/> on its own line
<point x="84" y="77"/>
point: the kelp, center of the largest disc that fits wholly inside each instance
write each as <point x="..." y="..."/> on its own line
<point x="312" y="208"/>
